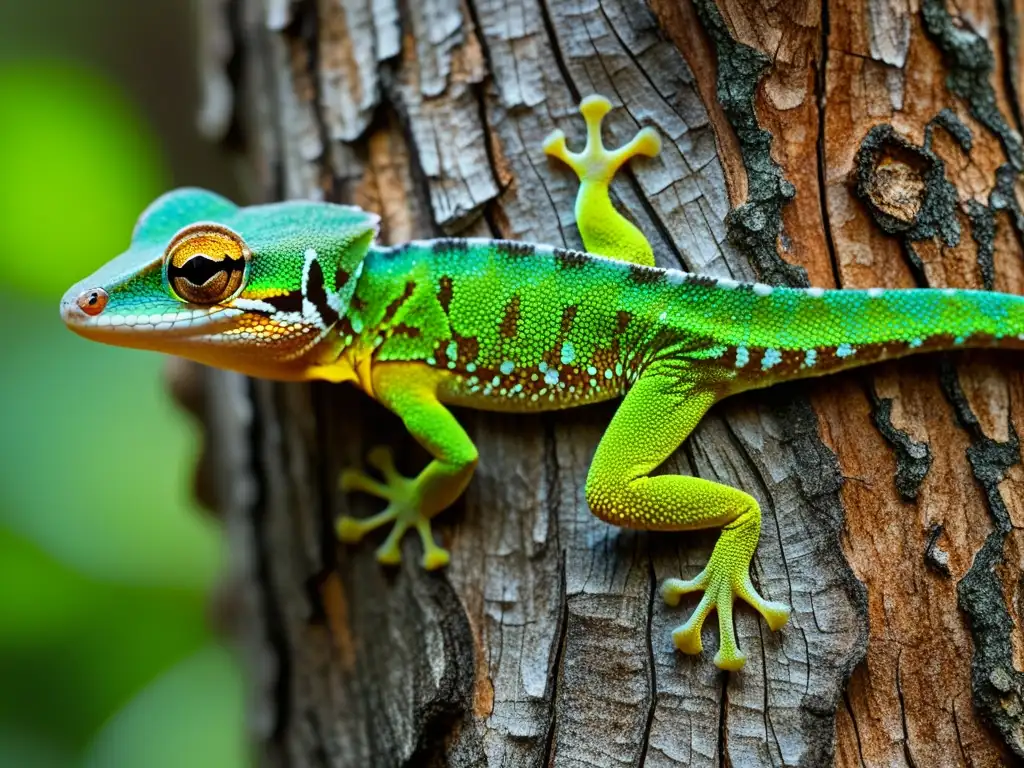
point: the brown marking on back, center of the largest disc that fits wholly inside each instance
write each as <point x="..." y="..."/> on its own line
<point x="568" y="317"/>
<point x="449" y="245"/>
<point x="567" y="259"/>
<point x="641" y="275"/>
<point x="623" y="319"/>
<point x="394" y="306"/>
<point x="706" y="281"/>
<point x="444" y="292"/>
<point x="468" y="349"/>
<point x="510" y="320"/>
<point x="357" y="303"/>
<point x="341" y="278"/>
<point x="513" y="249"/>
<point x="404" y="329"/>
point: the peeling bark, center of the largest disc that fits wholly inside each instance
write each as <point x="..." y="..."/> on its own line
<point x="858" y="144"/>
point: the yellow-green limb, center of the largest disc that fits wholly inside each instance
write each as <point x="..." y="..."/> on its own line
<point x="604" y="230"/>
<point x="656" y="416"/>
<point x="410" y="390"/>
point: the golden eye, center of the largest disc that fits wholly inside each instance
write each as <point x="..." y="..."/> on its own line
<point x="206" y="263"/>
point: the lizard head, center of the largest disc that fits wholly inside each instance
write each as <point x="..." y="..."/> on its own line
<point x="253" y="289"/>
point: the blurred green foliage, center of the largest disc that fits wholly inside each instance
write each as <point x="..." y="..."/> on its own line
<point x="106" y="655"/>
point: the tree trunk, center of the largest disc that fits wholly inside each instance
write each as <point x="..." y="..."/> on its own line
<point x="858" y="144"/>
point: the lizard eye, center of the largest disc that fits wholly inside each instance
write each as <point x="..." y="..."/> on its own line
<point x="205" y="264"/>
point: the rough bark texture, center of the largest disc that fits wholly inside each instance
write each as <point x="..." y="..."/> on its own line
<point x="866" y="143"/>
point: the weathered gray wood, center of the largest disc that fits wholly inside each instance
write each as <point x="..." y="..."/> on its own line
<point x="545" y="642"/>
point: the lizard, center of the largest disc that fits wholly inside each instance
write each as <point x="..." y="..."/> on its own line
<point x="299" y="291"/>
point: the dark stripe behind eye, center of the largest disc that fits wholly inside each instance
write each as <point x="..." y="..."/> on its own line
<point x="317" y="293"/>
<point x="290" y="302"/>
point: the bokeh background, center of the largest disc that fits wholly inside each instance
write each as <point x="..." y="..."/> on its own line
<point x="107" y="658"/>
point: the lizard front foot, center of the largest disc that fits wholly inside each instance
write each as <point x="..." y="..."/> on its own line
<point x="726" y="577"/>
<point x="404" y="510"/>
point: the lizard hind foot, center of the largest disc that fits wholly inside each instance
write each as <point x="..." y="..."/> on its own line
<point x="596" y="163"/>
<point x="604" y="230"/>
<point x="403" y="511"/>
<point x="725" y="578"/>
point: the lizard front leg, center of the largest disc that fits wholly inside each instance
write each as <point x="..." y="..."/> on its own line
<point x="604" y="230"/>
<point x="410" y="391"/>
<point x="657" y="414"/>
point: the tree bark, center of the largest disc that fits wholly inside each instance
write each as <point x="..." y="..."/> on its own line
<point x="855" y="144"/>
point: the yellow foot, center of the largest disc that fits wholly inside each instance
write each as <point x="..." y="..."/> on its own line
<point x="604" y="230"/>
<point x="595" y="162"/>
<point x="402" y="495"/>
<point x="722" y="580"/>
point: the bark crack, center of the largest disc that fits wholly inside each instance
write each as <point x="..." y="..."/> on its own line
<point x="821" y="97"/>
<point x="653" y="589"/>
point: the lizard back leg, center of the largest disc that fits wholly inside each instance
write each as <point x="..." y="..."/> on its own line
<point x="604" y="230"/>
<point x="410" y="391"/>
<point x="655" y="417"/>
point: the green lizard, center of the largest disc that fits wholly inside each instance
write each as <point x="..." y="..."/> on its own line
<point x="298" y="291"/>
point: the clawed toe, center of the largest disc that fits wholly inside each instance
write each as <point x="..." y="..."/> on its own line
<point x="687" y="639"/>
<point x="673" y="589"/>
<point x="730" y="661"/>
<point x="775" y="614"/>
<point x="349" y="530"/>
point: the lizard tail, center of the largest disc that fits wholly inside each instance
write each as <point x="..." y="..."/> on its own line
<point x="808" y="332"/>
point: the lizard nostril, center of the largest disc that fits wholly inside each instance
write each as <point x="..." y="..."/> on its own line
<point x="93" y="301"/>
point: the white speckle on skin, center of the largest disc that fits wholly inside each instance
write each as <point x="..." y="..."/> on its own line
<point x="960" y="340"/>
<point x="495" y="381"/>
<point x="875" y="293"/>
<point x="844" y="350"/>
<point x="568" y="352"/>
<point x="742" y="356"/>
<point x="618" y="369"/>
<point x="357" y="325"/>
<point x="543" y="367"/>
<point x="470" y="367"/>
<point x="663" y="316"/>
<point x="810" y="358"/>
<point x="815" y="293"/>
<point x="452" y="351"/>
<point x="675" y="277"/>
<point x="551" y="377"/>
<point x="507" y="367"/>
<point x="760" y="289"/>
<point x="915" y="342"/>
<point x="728" y="284"/>
<point x="592" y="370"/>
<point x="310" y="255"/>
<point x="608" y="373"/>
<point x="772" y="357"/>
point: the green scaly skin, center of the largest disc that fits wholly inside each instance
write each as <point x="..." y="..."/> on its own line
<point x="297" y="291"/>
